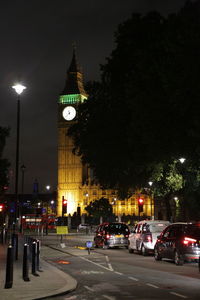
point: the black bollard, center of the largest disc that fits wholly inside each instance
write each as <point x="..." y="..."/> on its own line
<point x="9" y="268"/>
<point x="25" y="263"/>
<point x="34" y="259"/>
<point x="38" y="255"/>
<point x="15" y="245"/>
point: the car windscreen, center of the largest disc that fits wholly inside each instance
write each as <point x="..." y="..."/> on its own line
<point x="116" y="228"/>
<point x="192" y="230"/>
<point x="158" y="227"/>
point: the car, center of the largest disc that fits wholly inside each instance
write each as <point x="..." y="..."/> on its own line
<point x="84" y="227"/>
<point x="144" y="235"/>
<point x="110" y="235"/>
<point x="179" y="242"/>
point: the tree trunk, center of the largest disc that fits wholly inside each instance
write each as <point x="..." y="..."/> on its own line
<point x="168" y="207"/>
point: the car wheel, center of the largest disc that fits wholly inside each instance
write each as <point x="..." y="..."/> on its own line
<point x="144" y="250"/>
<point x="130" y="250"/>
<point x="104" y="246"/>
<point x="157" y="255"/>
<point x="178" y="259"/>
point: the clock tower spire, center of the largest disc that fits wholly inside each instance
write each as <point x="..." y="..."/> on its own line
<point x="74" y="81"/>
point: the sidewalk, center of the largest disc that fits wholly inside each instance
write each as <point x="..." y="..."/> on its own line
<point x="51" y="281"/>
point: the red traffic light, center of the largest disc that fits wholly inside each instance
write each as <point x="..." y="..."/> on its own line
<point x="140" y="201"/>
<point x="1" y="207"/>
<point x="64" y="202"/>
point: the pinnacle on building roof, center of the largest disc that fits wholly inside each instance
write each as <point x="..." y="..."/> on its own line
<point x="74" y="82"/>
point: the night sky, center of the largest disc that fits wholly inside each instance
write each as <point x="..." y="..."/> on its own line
<point x="36" y="50"/>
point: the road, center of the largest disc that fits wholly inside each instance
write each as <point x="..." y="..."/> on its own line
<point x="115" y="274"/>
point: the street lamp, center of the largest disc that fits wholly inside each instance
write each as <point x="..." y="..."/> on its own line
<point x="182" y="160"/>
<point x="48" y="189"/>
<point x="19" y="89"/>
<point x="151" y="195"/>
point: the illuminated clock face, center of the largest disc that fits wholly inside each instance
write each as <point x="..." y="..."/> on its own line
<point x="69" y="113"/>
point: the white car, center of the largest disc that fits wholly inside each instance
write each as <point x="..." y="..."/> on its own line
<point x="144" y="235"/>
<point x="83" y="227"/>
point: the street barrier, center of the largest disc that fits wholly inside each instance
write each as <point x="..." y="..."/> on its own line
<point x="9" y="268"/>
<point x="34" y="259"/>
<point x="15" y="245"/>
<point x="25" y="263"/>
<point x="38" y="255"/>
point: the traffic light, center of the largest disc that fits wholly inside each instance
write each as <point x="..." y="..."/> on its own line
<point x="64" y="206"/>
<point x="1" y="207"/>
<point x="140" y="204"/>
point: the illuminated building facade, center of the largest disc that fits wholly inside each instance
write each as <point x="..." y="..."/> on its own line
<point x="75" y="181"/>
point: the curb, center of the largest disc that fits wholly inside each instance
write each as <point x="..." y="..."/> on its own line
<point x="69" y="287"/>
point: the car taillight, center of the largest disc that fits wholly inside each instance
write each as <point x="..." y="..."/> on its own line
<point x="127" y="235"/>
<point x="107" y="236"/>
<point x="148" y="238"/>
<point x="189" y="241"/>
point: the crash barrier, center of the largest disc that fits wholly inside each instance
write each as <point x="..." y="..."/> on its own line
<point x="31" y="254"/>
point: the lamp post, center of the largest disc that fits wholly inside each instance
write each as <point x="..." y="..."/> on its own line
<point x="22" y="196"/>
<point x="23" y="168"/>
<point x="19" y="89"/>
<point x="150" y="184"/>
<point x="48" y="189"/>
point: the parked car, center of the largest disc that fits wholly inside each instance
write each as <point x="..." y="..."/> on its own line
<point x="111" y="235"/>
<point x="144" y="235"/>
<point x="84" y="227"/>
<point x="179" y="242"/>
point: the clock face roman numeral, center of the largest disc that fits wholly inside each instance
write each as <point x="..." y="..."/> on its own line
<point x="69" y="113"/>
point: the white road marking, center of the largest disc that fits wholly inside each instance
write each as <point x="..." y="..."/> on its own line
<point x="108" y="297"/>
<point x="152" y="285"/>
<point x="88" y="288"/>
<point x="133" y="278"/>
<point x="118" y="273"/>
<point x="92" y="262"/>
<point x="109" y="264"/>
<point x="178" y="295"/>
<point x="92" y="272"/>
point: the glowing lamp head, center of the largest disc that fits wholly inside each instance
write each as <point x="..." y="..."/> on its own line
<point x="182" y="160"/>
<point x="18" y="88"/>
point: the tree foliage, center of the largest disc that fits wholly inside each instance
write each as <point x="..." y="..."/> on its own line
<point x="99" y="208"/>
<point x="144" y="113"/>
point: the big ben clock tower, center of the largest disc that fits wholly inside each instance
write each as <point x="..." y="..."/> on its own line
<point x="69" y="165"/>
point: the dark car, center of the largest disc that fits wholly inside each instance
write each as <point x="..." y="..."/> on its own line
<point x="179" y="242"/>
<point x="111" y="235"/>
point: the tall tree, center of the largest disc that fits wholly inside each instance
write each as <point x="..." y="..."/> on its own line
<point x="145" y="110"/>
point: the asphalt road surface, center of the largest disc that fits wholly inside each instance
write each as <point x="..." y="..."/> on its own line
<point x="115" y="274"/>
